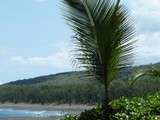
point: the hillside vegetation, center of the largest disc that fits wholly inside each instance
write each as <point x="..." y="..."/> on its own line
<point x="75" y="87"/>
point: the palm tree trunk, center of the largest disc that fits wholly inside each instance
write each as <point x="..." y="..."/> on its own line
<point x="107" y="108"/>
<point x="106" y="99"/>
<point x="106" y="95"/>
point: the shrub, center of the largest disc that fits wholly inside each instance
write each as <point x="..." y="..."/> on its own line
<point x="136" y="108"/>
<point x="93" y="114"/>
<point x="132" y="109"/>
<point x="69" y="117"/>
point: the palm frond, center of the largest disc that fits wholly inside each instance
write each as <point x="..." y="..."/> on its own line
<point x="103" y="36"/>
<point x="150" y="72"/>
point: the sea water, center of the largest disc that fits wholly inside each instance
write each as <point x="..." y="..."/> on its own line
<point x="9" y="113"/>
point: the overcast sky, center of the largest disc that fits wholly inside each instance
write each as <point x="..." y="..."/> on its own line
<point x="34" y="39"/>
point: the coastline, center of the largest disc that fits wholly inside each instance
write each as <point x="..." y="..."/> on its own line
<point x="46" y="106"/>
<point x="71" y="109"/>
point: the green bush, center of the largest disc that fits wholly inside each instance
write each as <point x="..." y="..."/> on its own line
<point x="93" y="114"/>
<point x="133" y="109"/>
<point x="69" y="117"/>
<point x="136" y="108"/>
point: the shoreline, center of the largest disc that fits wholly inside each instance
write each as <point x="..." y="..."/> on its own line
<point x="49" y="107"/>
<point x="71" y="109"/>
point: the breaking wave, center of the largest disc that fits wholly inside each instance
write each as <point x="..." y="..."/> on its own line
<point x="9" y="112"/>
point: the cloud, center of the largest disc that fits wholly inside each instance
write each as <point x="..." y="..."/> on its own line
<point x="146" y="14"/>
<point x="148" y="46"/>
<point x="59" y="60"/>
<point x="147" y="20"/>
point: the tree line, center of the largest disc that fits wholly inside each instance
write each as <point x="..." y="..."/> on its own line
<point x="90" y="93"/>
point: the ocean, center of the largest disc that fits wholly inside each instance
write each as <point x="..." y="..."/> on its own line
<point x="14" y="113"/>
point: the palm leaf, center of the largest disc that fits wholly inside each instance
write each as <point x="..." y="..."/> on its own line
<point x="150" y="72"/>
<point x="103" y="36"/>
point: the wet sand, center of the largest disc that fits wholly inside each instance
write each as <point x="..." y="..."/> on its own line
<point x="71" y="109"/>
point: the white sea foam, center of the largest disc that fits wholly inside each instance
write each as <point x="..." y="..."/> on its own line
<point x="9" y="112"/>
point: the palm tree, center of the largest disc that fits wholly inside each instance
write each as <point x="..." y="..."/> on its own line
<point x="103" y="37"/>
<point x="150" y="72"/>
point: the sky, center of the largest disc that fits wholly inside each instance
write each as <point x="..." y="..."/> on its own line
<point x="35" y="40"/>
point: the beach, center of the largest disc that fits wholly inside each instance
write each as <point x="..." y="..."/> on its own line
<point x="70" y="109"/>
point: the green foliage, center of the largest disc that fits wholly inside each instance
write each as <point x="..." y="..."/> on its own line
<point x="67" y="78"/>
<point x="93" y="114"/>
<point x="153" y="102"/>
<point x="69" y="117"/>
<point x="81" y="92"/>
<point x="72" y="87"/>
<point x="103" y="37"/>
<point x="132" y="109"/>
<point x="136" y="108"/>
<point x="51" y="94"/>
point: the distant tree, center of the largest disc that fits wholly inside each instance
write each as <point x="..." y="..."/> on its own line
<point x="103" y="37"/>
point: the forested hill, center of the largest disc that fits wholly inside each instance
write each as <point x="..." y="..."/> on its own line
<point x="67" y="78"/>
<point x="73" y="87"/>
<point x="74" y="77"/>
<point x="60" y="78"/>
